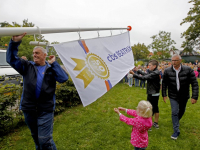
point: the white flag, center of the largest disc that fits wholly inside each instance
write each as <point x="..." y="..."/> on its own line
<point x="96" y="65"/>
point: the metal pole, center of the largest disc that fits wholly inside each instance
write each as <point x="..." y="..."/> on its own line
<point x="10" y="31"/>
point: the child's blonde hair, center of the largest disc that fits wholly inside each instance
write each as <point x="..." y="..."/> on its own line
<point x="144" y="109"/>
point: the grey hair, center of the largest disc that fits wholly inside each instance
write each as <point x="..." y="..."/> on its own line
<point x="41" y="48"/>
<point x="144" y="109"/>
<point x="177" y="55"/>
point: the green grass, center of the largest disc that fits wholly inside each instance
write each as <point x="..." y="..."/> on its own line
<point x="97" y="126"/>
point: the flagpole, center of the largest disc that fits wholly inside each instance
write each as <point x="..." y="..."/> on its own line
<point x="10" y="31"/>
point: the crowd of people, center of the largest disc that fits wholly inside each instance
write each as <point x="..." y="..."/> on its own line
<point x="130" y="80"/>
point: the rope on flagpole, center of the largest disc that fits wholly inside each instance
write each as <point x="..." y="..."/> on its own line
<point x="39" y="43"/>
<point x="98" y="32"/>
<point x="40" y="36"/>
<point x="79" y="34"/>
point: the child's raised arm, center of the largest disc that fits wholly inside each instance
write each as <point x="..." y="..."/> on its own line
<point x="116" y="110"/>
<point x="128" y="121"/>
<point x="121" y="108"/>
<point x="132" y="112"/>
<point x="128" y="111"/>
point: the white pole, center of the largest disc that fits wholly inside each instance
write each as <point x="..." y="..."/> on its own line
<point x="10" y="31"/>
<point x="38" y="43"/>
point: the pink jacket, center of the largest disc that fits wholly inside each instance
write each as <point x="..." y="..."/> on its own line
<point x="196" y="73"/>
<point x="139" y="135"/>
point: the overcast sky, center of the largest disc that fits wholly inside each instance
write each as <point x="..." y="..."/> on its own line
<point x="147" y="17"/>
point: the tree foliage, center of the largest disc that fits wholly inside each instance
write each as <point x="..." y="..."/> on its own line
<point x="15" y="24"/>
<point x="161" y="45"/>
<point x="140" y="51"/>
<point x="24" y="49"/>
<point x="192" y="34"/>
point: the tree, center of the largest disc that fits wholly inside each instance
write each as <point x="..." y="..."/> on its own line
<point x="27" y="24"/>
<point x="140" y="51"/>
<point x="161" y="45"/>
<point x="24" y="49"/>
<point x="52" y="50"/>
<point x="4" y="24"/>
<point x="192" y="34"/>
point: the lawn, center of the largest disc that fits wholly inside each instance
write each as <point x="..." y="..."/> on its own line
<point x="97" y="126"/>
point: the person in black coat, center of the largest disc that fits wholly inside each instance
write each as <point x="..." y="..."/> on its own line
<point x="153" y="87"/>
<point x="177" y="80"/>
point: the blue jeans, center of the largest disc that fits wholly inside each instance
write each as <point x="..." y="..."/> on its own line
<point x="178" y="109"/>
<point x="136" y="148"/>
<point x="142" y="82"/>
<point x="136" y="82"/>
<point x="130" y="81"/>
<point x="41" y="127"/>
<point x="126" y="79"/>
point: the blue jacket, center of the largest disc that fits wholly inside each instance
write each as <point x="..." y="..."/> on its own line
<point x="53" y="73"/>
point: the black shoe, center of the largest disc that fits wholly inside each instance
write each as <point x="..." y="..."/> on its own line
<point x="156" y="125"/>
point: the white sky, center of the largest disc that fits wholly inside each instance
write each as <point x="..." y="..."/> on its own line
<point x="147" y="17"/>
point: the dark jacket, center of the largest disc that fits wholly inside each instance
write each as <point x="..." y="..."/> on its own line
<point x="186" y="77"/>
<point x="53" y="73"/>
<point x="153" y="80"/>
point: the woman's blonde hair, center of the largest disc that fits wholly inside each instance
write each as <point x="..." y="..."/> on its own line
<point x="144" y="109"/>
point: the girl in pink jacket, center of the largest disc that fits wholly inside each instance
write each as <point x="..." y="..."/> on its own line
<point x="141" y="123"/>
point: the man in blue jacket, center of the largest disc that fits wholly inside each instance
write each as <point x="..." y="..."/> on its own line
<point x="39" y="85"/>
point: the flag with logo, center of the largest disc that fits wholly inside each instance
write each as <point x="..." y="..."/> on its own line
<point x="96" y="65"/>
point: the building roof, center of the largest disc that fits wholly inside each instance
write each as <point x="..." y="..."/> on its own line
<point x="192" y="53"/>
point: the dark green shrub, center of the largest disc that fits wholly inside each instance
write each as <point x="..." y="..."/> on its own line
<point x="66" y="96"/>
<point x="9" y="96"/>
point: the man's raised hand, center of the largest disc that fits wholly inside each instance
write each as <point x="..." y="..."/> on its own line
<point x="17" y="38"/>
<point x="52" y="58"/>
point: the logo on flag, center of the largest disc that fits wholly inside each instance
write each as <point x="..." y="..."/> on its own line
<point x="96" y="65"/>
<point x="92" y="66"/>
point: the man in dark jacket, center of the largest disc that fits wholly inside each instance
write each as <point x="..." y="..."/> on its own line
<point x="177" y="80"/>
<point x="153" y="87"/>
<point x="38" y="97"/>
